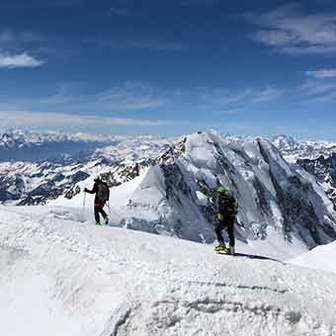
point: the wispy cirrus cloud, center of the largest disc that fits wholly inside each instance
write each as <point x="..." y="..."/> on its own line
<point x="131" y="96"/>
<point x="319" y="90"/>
<point x="128" y="97"/>
<point x="51" y="120"/>
<point x="319" y="86"/>
<point x="322" y="73"/>
<point x="12" y="61"/>
<point x="290" y="30"/>
<point x="79" y="107"/>
<point x="97" y="111"/>
<point x="228" y="101"/>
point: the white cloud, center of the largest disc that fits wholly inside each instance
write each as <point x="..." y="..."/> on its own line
<point x="12" y="49"/>
<point x="128" y="97"/>
<point x="266" y="95"/>
<point x="322" y="73"/>
<point x="14" y="118"/>
<point x="320" y="86"/>
<point x="230" y="101"/>
<point x="131" y="96"/>
<point x="319" y="90"/>
<point x="289" y="30"/>
<point x="19" y="61"/>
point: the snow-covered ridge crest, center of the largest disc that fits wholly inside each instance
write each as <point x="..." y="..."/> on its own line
<point x="74" y="279"/>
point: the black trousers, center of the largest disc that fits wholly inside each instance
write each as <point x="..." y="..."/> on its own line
<point x="98" y="209"/>
<point x="228" y="224"/>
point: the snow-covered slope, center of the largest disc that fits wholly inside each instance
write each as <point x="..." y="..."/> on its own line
<point x="62" y="277"/>
<point x="320" y="258"/>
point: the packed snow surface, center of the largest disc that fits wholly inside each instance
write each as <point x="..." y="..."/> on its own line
<point x="60" y="276"/>
<point x="321" y="258"/>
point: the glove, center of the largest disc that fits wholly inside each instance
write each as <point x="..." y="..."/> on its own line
<point x="220" y="217"/>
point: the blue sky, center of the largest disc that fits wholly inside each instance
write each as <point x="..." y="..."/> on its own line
<point x="169" y="67"/>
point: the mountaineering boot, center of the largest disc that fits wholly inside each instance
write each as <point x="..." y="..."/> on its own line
<point x="231" y="250"/>
<point x="106" y="221"/>
<point x="221" y="248"/>
<point x="98" y="223"/>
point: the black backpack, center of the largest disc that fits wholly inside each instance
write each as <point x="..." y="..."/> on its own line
<point x="103" y="191"/>
<point x="227" y="205"/>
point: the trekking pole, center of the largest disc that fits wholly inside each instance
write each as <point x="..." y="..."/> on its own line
<point x="84" y="205"/>
<point x="113" y="212"/>
<point x="110" y="210"/>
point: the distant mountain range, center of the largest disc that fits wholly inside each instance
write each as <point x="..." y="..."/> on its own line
<point x="37" y="167"/>
<point x="280" y="183"/>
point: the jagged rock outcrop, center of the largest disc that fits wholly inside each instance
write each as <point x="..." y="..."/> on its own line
<point x="324" y="170"/>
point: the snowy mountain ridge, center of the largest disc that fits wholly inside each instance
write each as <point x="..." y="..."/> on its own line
<point x="290" y="147"/>
<point x="16" y="138"/>
<point x="31" y="183"/>
<point x="275" y="197"/>
<point x="68" y="278"/>
<point x="174" y="195"/>
<point x="19" y="178"/>
<point x="293" y="149"/>
<point x="29" y="146"/>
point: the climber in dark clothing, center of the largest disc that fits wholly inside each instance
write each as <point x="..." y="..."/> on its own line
<point x="102" y="192"/>
<point x="226" y="217"/>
